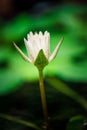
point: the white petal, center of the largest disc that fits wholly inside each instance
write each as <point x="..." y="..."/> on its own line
<point x="56" y="50"/>
<point x="40" y="34"/>
<point x="47" y="44"/>
<point x="30" y="49"/>
<point x="22" y="54"/>
<point x="35" y="48"/>
<point x="36" y="36"/>
<point x="26" y="45"/>
<point x="27" y="36"/>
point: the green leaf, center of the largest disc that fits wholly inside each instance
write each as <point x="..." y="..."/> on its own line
<point x="76" y="123"/>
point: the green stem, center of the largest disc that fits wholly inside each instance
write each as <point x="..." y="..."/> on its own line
<point x="43" y="99"/>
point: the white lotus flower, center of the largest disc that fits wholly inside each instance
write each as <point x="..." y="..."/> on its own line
<point x="38" y="48"/>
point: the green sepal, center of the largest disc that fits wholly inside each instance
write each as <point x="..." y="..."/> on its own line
<point x="41" y="60"/>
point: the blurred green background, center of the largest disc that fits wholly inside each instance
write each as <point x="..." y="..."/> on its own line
<point x="65" y="77"/>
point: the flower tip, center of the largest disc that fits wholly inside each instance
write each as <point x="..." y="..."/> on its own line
<point x="60" y="42"/>
<point x="15" y="45"/>
<point x="31" y="34"/>
<point x="25" y="40"/>
<point x="40" y="33"/>
<point x="46" y="33"/>
<point x="62" y="39"/>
